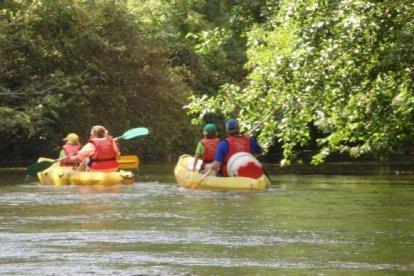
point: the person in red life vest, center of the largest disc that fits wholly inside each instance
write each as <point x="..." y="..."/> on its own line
<point x="206" y="148"/>
<point x="234" y="143"/>
<point x="71" y="147"/>
<point x="100" y="153"/>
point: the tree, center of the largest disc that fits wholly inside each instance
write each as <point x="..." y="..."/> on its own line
<point x="68" y="65"/>
<point x="343" y="67"/>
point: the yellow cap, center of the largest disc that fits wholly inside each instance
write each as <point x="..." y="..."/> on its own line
<point x="73" y="137"/>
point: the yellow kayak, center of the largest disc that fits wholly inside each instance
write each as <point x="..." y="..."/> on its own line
<point x="194" y="180"/>
<point x="57" y="175"/>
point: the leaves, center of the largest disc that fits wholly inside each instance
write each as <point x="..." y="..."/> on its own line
<point x="67" y="66"/>
<point x="335" y="76"/>
<point x="335" y="67"/>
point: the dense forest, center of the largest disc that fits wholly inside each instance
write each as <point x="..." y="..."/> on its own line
<point x="332" y="75"/>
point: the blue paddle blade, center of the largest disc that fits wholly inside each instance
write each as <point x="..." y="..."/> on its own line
<point x="135" y="132"/>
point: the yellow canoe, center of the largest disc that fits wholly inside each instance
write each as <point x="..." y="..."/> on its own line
<point x="194" y="180"/>
<point x="57" y="175"/>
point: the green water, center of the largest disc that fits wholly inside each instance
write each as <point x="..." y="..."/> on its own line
<point x="303" y="225"/>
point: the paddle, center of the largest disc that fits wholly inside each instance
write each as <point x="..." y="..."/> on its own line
<point x="33" y="169"/>
<point x="128" y="162"/>
<point x="132" y="133"/>
<point x="261" y="122"/>
<point x="204" y="176"/>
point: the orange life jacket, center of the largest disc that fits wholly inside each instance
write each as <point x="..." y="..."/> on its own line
<point x="105" y="156"/>
<point x="236" y="144"/>
<point x="210" y="146"/>
<point x="69" y="150"/>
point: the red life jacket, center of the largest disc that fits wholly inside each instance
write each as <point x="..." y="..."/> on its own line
<point x="236" y="144"/>
<point x="69" y="150"/>
<point x="105" y="156"/>
<point x="210" y="146"/>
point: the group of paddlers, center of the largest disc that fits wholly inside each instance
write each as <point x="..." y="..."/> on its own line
<point x="215" y="153"/>
<point x="101" y="152"/>
<point x="98" y="154"/>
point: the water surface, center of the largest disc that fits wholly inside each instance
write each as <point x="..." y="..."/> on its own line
<point x="304" y="224"/>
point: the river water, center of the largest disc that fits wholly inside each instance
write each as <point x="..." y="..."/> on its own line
<point x="302" y="225"/>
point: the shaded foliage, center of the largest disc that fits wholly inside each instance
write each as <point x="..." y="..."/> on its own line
<point x="68" y="65"/>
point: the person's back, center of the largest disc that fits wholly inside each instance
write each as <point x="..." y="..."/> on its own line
<point x="100" y="153"/>
<point x="105" y="156"/>
<point x="206" y="148"/>
<point x="234" y="143"/>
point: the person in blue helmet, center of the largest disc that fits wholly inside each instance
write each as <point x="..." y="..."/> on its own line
<point x="234" y="143"/>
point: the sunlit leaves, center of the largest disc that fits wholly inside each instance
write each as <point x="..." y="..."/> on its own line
<point x="343" y="67"/>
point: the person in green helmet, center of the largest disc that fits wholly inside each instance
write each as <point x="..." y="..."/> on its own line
<point x="206" y="148"/>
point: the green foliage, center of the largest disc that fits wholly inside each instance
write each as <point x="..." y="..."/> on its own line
<point x="335" y="74"/>
<point x="69" y="65"/>
<point x="344" y="67"/>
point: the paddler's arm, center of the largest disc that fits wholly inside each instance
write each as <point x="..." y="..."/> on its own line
<point x="215" y="166"/>
<point x="86" y="151"/>
<point x="198" y="153"/>
<point x="256" y="148"/>
<point x="196" y="158"/>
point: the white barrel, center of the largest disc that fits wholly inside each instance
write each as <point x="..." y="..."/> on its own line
<point x="244" y="164"/>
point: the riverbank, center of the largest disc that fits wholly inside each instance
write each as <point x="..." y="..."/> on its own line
<point x="351" y="168"/>
<point x="343" y="164"/>
<point x="396" y="167"/>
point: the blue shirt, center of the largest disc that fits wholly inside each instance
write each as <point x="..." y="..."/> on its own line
<point x="223" y="149"/>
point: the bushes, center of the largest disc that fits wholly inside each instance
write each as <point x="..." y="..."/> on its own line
<point x="69" y="65"/>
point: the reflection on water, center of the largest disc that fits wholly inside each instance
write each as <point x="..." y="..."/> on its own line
<point x="328" y="225"/>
